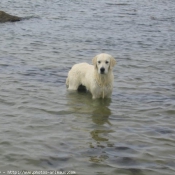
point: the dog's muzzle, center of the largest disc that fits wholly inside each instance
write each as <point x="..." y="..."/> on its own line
<point x="102" y="70"/>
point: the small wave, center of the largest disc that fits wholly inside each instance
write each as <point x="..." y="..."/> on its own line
<point x="121" y="4"/>
<point x="31" y="17"/>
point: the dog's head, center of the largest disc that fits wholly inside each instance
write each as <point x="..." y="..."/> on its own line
<point x="103" y="63"/>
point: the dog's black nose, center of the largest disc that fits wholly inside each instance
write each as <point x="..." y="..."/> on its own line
<point x="102" y="70"/>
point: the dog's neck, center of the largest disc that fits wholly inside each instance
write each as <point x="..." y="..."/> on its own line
<point x="103" y="79"/>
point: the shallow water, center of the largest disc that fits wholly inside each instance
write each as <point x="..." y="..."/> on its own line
<point x="45" y="127"/>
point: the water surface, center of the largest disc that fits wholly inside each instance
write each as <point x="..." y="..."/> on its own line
<point x="45" y="127"/>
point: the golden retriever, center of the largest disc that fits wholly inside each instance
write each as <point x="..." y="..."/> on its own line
<point x="97" y="78"/>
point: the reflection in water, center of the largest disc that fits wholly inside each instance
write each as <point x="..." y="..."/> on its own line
<point x="96" y="134"/>
<point x="100" y="116"/>
<point x="97" y="159"/>
<point x="81" y="103"/>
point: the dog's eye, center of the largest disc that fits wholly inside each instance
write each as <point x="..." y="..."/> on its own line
<point x="99" y="62"/>
<point x="107" y="62"/>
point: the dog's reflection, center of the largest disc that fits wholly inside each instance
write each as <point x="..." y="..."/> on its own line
<point x="100" y="115"/>
<point x="81" y="103"/>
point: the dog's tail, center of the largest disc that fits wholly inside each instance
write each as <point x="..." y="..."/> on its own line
<point x="67" y="82"/>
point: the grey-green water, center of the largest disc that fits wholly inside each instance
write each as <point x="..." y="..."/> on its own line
<point x="45" y="127"/>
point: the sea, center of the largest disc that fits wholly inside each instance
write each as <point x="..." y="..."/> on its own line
<point x="45" y="129"/>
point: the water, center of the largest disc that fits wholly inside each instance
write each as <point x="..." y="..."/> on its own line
<point x="45" y="127"/>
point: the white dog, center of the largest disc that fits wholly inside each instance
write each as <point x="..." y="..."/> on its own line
<point x="97" y="79"/>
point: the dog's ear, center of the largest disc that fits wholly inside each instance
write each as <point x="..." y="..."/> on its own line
<point x="112" y="62"/>
<point x="94" y="61"/>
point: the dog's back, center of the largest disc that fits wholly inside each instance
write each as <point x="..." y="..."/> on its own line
<point x="77" y="74"/>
